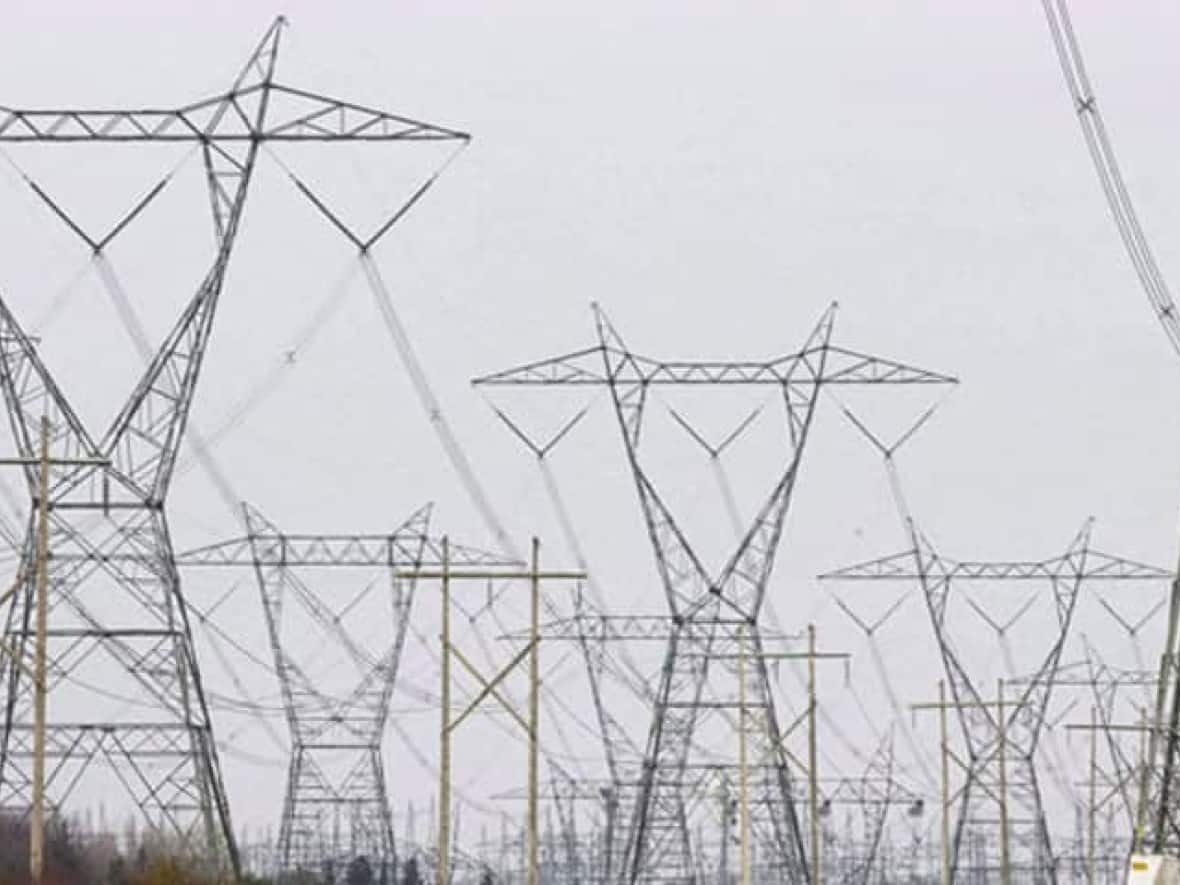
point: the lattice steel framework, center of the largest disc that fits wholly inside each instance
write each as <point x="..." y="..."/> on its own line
<point x="710" y="610"/>
<point x="985" y="735"/>
<point x="336" y="807"/>
<point x="115" y="596"/>
<point x="855" y="857"/>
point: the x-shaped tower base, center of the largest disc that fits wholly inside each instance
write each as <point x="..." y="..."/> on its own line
<point x="712" y="613"/>
<point x="1001" y="738"/>
<point x="336" y="807"/>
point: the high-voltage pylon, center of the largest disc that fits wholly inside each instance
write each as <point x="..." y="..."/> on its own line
<point x="115" y="597"/>
<point x="336" y="807"/>
<point x="710" y="610"/>
<point x="1000" y="734"/>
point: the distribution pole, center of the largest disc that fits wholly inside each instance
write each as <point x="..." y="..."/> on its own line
<point x="779" y="746"/>
<point x="743" y="769"/>
<point x="1091" y="879"/>
<point x="529" y="723"/>
<point x="40" y="667"/>
<point x="534" y="715"/>
<point x="942" y="705"/>
<point x="946" y="784"/>
<point x="444" y="767"/>
<point x="37" y="828"/>
<point x="812" y="757"/>
<point x="1002" y="747"/>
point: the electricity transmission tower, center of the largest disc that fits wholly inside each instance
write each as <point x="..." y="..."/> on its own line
<point x="116" y="605"/>
<point x="1001" y="736"/>
<point x="1157" y="828"/>
<point x="709" y="610"/>
<point x="336" y="807"/>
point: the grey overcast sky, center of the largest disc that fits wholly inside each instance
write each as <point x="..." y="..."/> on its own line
<point x="714" y="175"/>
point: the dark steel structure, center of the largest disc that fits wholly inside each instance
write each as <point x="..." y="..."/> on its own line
<point x="115" y="596"/>
<point x="709" y="612"/>
<point x="336" y="808"/>
<point x="1000" y="739"/>
<point x="1157" y="828"/>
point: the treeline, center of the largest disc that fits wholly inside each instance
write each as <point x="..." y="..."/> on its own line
<point x="74" y="856"/>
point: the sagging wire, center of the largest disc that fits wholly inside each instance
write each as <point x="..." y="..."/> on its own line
<point x="901" y="715"/>
<point x="1110" y="177"/>
<point x="413" y="366"/>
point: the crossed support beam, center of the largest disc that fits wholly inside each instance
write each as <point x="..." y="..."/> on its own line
<point x="856" y="857"/>
<point x="1000" y="735"/>
<point x="711" y="610"/>
<point x="336" y="807"/>
<point x="115" y="602"/>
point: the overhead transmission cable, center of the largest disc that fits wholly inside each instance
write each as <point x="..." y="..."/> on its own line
<point x="1110" y="177"/>
<point x="901" y="715"/>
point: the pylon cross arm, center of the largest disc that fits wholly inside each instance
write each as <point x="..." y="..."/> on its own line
<point x="298" y="115"/>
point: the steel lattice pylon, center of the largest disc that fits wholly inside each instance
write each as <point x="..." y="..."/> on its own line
<point x="114" y="594"/>
<point x="986" y="736"/>
<point x="336" y="807"/>
<point x="711" y="612"/>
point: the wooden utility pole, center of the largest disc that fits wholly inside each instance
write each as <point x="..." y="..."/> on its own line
<point x="811" y="767"/>
<point x="39" y="670"/>
<point x="530" y="724"/>
<point x="37" y="824"/>
<point x="534" y="707"/>
<point x="1002" y="742"/>
<point x="1091" y="833"/>
<point x="942" y="705"/>
<point x="743" y="767"/>
<point x="813" y="758"/>
<point x="946" y="784"/>
<point x="444" y="773"/>
<point x="1114" y="786"/>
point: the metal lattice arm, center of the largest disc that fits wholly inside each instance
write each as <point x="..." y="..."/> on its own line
<point x="339" y="550"/>
<point x="295" y="115"/>
<point x="904" y="567"/>
<point x="406" y="546"/>
<point x="637" y="628"/>
<point x="841" y="367"/>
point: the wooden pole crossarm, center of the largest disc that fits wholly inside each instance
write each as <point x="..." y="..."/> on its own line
<point x="1145" y="727"/>
<point x="6" y="650"/>
<point x="489" y="688"/>
<point x="792" y="758"/>
<point x="531" y="725"/>
<point x="776" y="656"/>
<point x="799" y="720"/>
<point x="436" y="574"/>
<point x="964" y="764"/>
<point x="11" y="591"/>
<point x="983" y="785"/>
<point x="56" y="462"/>
<point x="959" y="705"/>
